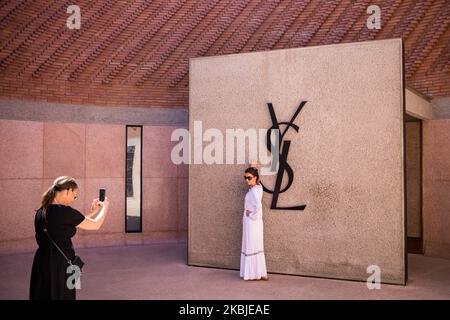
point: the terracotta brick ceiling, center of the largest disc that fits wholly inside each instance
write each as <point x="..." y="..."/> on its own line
<point x="136" y="52"/>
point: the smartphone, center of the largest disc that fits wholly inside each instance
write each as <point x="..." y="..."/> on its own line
<point x="101" y="196"/>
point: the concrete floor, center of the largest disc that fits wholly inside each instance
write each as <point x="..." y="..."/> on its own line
<point x="159" y="271"/>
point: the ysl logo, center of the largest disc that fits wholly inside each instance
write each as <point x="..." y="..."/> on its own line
<point x="283" y="166"/>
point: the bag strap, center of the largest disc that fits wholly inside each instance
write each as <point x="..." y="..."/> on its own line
<point x="44" y="225"/>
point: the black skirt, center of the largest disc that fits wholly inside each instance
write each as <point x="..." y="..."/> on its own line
<point x="49" y="277"/>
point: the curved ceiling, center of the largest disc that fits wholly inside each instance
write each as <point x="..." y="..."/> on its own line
<point x="137" y="52"/>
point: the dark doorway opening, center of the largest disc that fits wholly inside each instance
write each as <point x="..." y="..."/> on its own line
<point x="414" y="184"/>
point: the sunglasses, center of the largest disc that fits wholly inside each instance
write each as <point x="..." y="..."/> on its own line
<point x="248" y="178"/>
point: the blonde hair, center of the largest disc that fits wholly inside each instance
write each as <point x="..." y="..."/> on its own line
<point x="60" y="184"/>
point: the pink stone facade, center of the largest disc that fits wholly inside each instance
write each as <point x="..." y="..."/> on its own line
<point x="34" y="153"/>
<point x="436" y="187"/>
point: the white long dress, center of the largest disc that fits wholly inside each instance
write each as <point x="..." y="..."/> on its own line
<point x="253" y="261"/>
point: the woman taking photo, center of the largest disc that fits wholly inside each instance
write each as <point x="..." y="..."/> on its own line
<point x="253" y="261"/>
<point x="55" y="224"/>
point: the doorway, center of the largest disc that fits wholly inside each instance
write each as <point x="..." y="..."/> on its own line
<point x="414" y="184"/>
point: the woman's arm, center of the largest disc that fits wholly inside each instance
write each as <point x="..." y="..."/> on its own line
<point x="95" y="224"/>
<point x="249" y="205"/>
<point x="95" y="208"/>
<point x="255" y="207"/>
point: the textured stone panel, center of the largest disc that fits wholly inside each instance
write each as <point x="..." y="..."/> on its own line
<point x="347" y="157"/>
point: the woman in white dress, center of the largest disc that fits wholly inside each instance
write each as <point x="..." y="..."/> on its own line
<point x="253" y="261"/>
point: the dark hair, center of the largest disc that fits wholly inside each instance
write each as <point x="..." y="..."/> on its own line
<point x="60" y="183"/>
<point x="254" y="172"/>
